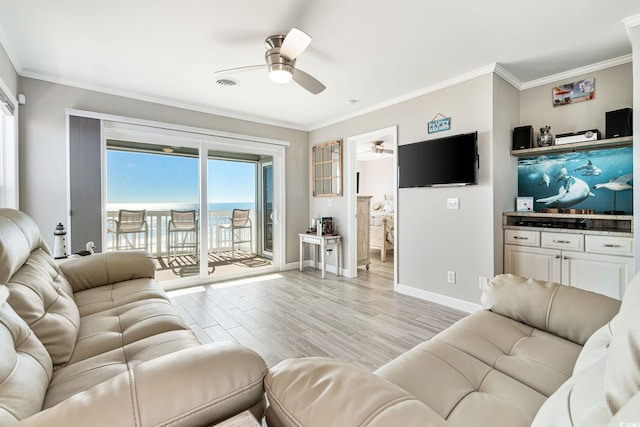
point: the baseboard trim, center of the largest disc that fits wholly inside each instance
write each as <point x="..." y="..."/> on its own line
<point x="456" y="303"/>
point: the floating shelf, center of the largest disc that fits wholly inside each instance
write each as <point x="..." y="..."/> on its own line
<point x="625" y="141"/>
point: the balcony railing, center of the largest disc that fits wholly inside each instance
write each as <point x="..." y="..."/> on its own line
<point x="157" y="223"/>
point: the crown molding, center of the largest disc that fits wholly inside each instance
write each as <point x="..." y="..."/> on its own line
<point x="411" y="95"/>
<point x="625" y="59"/>
<point x="507" y="76"/>
<point x="160" y="101"/>
<point x="631" y="21"/>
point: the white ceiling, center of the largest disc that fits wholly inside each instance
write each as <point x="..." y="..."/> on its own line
<point x="374" y="52"/>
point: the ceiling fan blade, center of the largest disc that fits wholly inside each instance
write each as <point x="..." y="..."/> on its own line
<point x="241" y="69"/>
<point x="294" y="44"/>
<point x="308" y="82"/>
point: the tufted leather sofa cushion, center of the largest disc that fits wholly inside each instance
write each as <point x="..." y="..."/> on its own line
<point x="43" y="298"/>
<point x="18" y="237"/>
<point x="25" y="367"/>
<point x="482" y="365"/>
<point x="571" y="313"/>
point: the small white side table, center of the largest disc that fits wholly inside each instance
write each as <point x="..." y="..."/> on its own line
<point x="322" y="243"/>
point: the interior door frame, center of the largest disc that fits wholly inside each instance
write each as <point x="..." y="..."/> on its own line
<point x="350" y="157"/>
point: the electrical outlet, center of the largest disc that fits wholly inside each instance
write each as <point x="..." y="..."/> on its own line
<point x="453" y="203"/>
<point x="451" y="276"/>
<point x="329" y="203"/>
<point x="483" y="282"/>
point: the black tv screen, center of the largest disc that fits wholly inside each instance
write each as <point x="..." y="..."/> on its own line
<point x="452" y="160"/>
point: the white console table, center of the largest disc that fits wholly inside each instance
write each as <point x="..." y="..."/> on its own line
<point x="322" y="243"/>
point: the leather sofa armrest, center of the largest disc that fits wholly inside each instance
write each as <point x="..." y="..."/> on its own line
<point x="569" y="312"/>
<point x="320" y="392"/>
<point x="201" y="385"/>
<point x="107" y="268"/>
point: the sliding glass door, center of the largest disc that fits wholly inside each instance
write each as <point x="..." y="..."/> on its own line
<point x="152" y="203"/>
<point x="203" y="213"/>
<point x="234" y="213"/>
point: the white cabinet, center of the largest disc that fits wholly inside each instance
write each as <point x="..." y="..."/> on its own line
<point x="598" y="263"/>
<point x="605" y="274"/>
<point x="537" y="263"/>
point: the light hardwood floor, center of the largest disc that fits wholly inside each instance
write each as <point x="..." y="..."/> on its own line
<point x="295" y="314"/>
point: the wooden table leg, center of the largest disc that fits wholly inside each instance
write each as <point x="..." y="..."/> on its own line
<point x="338" y="256"/>
<point x="301" y="253"/>
<point x="323" y="259"/>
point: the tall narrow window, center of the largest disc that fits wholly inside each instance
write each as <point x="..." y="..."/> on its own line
<point x="8" y="153"/>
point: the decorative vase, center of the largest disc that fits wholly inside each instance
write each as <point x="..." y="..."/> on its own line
<point x="545" y="137"/>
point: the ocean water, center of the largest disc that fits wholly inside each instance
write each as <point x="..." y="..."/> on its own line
<point x="544" y="177"/>
<point x="180" y="206"/>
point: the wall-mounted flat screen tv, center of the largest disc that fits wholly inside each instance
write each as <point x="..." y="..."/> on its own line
<point x="452" y="160"/>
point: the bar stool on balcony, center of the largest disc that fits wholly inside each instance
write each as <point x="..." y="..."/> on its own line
<point x="182" y="234"/>
<point x="238" y="226"/>
<point x="130" y="224"/>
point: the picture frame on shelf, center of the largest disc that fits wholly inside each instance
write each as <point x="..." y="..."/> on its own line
<point x="524" y="204"/>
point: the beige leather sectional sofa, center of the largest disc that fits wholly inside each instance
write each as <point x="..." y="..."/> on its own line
<point x="95" y="342"/>
<point x="542" y="354"/>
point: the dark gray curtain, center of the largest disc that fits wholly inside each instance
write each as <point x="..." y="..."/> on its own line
<point x="85" y="188"/>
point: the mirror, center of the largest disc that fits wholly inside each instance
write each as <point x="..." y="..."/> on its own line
<point x="327" y="169"/>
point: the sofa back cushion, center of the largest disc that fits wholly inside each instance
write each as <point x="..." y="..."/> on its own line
<point x="622" y="373"/>
<point x="38" y="292"/>
<point x="571" y="313"/>
<point x="19" y="235"/>
<point x="25" y="367"/>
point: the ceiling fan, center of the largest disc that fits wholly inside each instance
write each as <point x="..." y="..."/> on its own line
<point x="280" y="57"/>
<point x="378" y="148"/>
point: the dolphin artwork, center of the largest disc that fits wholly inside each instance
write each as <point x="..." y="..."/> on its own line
<point x="544" y="179"/>
<point x="562" y="175"/>
<point x="573" y="192"/>
<point x="589" y="169"/>
<point x="617" y="184"/>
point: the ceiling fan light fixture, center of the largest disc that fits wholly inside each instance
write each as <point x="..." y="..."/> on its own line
<point x="280" y="76"/>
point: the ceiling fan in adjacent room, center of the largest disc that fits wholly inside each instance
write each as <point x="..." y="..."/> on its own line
<point x="378" y="148"/>
<point x="280" y="57"/>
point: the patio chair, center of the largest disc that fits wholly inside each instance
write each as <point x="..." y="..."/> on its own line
<point x="182" y="234"/>
<point x="238" y="226"/>
<point x="130" y="224"/>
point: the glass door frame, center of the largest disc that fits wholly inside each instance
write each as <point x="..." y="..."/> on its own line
<point x="205" y="140"/>
<point x="262" y="222"/>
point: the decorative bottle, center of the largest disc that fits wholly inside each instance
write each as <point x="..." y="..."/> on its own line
<point x="545" y="137"/>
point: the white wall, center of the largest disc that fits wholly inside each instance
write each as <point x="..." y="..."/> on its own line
<point x="431" y="239"/>
<point x="8" y="73"/>
<point x="613" y="91"/>
<point x="506" y="116"/>
<point x="377" y="179"/>
<point x="43" y="144"/>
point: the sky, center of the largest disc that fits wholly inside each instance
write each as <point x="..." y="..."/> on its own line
<point x="156" y="178"/>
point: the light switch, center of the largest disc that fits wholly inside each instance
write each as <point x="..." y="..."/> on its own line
<point x="329" y="202"/>
<point x="453" y="203"/>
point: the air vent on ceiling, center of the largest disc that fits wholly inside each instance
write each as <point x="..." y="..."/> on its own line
<point x="227" y="82"/>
